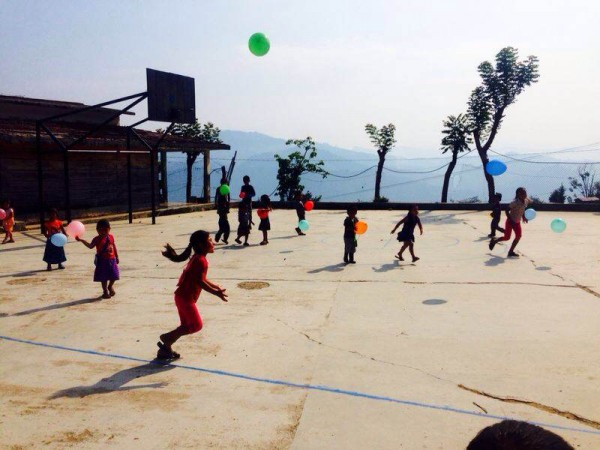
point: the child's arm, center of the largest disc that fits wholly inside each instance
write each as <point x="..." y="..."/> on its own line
<point x="397" y="225"/>
<point x="420" y="227"/>
<point x="212" y="288"/>
<point x="86" y="243"/>
<point x="117" y="253"/>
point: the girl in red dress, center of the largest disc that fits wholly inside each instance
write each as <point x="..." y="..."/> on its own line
<point x="191" y="282"/>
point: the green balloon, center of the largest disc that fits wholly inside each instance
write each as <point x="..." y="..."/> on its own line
<point x="224" y="189"/>
<point x="558" y="225"/>
<point x="258" y="44"/>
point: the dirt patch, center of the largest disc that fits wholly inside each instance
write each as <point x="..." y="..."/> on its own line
<point x="251" y="285"/>
<point x="72" y="437"/>
<point x="21" y="281"/>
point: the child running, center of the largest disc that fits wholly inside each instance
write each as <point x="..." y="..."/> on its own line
<point x="107" y="258"/>
<point x="496" y="215"/>
<point x="263" y="214"/>
<point x="514" y="214"/>
<point x="222" y="205"/>
<point x="191" y="283"/>
<point x="300" y="211"/>
<point x="245" y="223"/>
<point x="52" y="253"/>
<point x="8" y="223"/>
<point x="350" y="235"/>
<point x="407" y="235"/>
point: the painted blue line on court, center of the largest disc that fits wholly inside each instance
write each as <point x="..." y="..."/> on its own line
<point x="303" y="386"/>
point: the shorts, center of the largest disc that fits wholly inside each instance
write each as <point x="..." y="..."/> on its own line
<point x="188" y="314"/>
<point x="508" y="227"/>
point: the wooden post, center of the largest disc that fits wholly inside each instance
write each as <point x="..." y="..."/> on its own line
<point x="206" y="193"/>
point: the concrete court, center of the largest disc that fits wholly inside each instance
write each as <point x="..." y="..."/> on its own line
<point x="396" y="355"/>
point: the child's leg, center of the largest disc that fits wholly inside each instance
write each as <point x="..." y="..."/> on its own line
<point x="517" y="228"/>
<point x="402" y="250"/>
<point x="226" y="231"/>
<point x="105" y="293"/>
<point x="191" y="322"/>
<point x="246" y="238"/>
<point x="10" y="236"/>
<point x="111" y="291"/>
<point x="411" y="249"/>
<point x="264" y="241"/>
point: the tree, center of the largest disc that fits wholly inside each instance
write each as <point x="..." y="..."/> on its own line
<point x="584" y="185"/>
<point x="384" y="141"/>
<point x="558" y="195"/>
<point x="499" y="89"/>
<point x="206" y="132"/>
<point x="457" y="139"/>
<point x="295" y="165"/>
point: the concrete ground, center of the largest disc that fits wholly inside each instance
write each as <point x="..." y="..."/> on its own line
<point x="381" y="354"/>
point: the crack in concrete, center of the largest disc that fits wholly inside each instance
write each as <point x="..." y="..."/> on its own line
<point x="540" y="406"/>
<point x="362" y="355"/>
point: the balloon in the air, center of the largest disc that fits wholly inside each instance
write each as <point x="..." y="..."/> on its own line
<point x="530" y="214"/>
<point x="258" y="44"/>
<point x="224" y="189"/>
<point x="495" y="167"/>
<point x="303" y="225"/>
<point x="75" y="229"/>
<point x="558" y="225"/>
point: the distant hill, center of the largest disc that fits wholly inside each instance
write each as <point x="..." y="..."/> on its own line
<point x="418" y="181"/>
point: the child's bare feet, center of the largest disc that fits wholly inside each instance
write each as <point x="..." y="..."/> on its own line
<point x="513" y="255"/>
<point x="49" y="268"/>
<point x="111" y="292"/>
<point x="238" y="240"/>
<point x="105" y="295"/>
<point x="61" y="267"/>
<point x="399" y="256"/>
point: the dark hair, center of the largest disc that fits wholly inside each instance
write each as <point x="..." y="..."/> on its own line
<point x="352" y="208"/>
<point x="224" y="180"/>
<point x="514" y="434"/>
<point x="7" y="201"/>
<point x="498" y="195"/>
<point x="246" y="178"/>
<point x="265" y="199"/>
<point x="520" y="189"/>
<point x="413" y="206"/>
<point x="102" y="223"/>
<point x="198" y="240"/>
<point x="52" y="211"/>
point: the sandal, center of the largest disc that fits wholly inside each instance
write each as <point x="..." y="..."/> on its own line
<point x="166" y="353"/>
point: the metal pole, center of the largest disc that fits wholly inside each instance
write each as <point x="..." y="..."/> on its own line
<point x="153" y="187"/>
<point x="129" y="199"/>
<point x="206" y="176"/>
<point x="67" y="186"/>
<point x="38" y="148"/>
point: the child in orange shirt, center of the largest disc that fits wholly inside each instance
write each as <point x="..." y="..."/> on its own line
<point x="8" y="223"/>
<point x="52" y="253"/>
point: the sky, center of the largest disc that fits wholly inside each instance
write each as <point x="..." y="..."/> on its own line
<point x="333" y="66"/>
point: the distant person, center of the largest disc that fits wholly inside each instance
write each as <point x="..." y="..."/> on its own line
<point x="244" y="223"/>
<point x="52" y="253"/>
<point x="350" y="235"/>
<point x="248" y="191"/>
<point x="514" y="214"/>
<point x="222" y="205"/>
<point x="407" y="235"/>
<point x="8" y="223"/>
<point x="517" y="435"/>
<point x="300" y="211"/>
<point x="496" y="215"/>
<point x="191" y="283"/>
<point x="263" y="214"/>
<point x="106" y="259"/>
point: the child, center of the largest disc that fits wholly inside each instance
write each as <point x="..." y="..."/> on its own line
<point x="407" y="235"/>
<point x="245" y="223"/>
<point x="8" y="223"/>
<point x="107" y="258"/>
<point x="300" y="211"/>
<point x="191" y="282"/>
<point x="514" y="214"/>
<point x="52" y="253"/>
<point x="350" y="235"/>
<point x="263" y="213"/>
<point x="496" y="214"/>
<point x="249" y="192"/>
<point x="222" y="205"/>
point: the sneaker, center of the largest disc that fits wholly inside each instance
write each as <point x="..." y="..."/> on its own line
<point x="106" y="295"/>
<point x="225" y="242"/>
<point x="351" y="262"/>
<point x="513" y="255"/>
<point x="399" y="257"/>
<point x="492" y="244"/>
<point x="238" y="240"/>
<point x="61" y="267"/>
<point x="416" y="258"/>
<point x="246" y="244"/>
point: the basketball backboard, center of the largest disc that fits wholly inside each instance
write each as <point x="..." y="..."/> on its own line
<point x="171" y="97"/>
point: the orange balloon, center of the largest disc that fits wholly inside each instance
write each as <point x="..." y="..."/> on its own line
<point x="360" y="227"/>
<point x="309" y="205"/>
<point x="263" y="213"/>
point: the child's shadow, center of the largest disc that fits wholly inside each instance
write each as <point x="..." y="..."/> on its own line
<point x="116" y="382"/>
<point x="494" y="261"/>
<point x="387" y="267"/>
<point x="58" y="306"/>
<point x="331" y="268"/>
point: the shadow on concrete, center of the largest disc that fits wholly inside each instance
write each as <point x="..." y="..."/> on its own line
<point x="331" y="268"/>
<point x="58" y="306"/>
<point x="481" y="239"/>
<point x="543" y="268"/>
<point x="27" y="273"/>
<point x="494" y="261"/>
<point x="117" y="381"/>
<point x="287" y="251"/>
<point x="434" y="301"/>
<point x="387" y="267"/>
<point x="443" y="219"/>
<point x="291" y="236"/>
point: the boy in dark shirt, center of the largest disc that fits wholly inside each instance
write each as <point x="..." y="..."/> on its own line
<point x="222" y="205"/>
<point x="496" y="215"/>
<point x="299" y="211"/>
<point x="350" y="235"/>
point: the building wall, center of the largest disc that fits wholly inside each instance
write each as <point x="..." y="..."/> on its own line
<point x="96" y="180"/>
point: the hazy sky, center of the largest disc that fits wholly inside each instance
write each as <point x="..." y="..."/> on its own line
<point x="333" y="65"/>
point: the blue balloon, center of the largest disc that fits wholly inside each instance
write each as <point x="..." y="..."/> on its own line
<point x="303" y="225"/>
<point x="558" y="225"/>
<point x="530" y="214"/>
<point x="495" y="167"/>
<point x="58" y="239"/>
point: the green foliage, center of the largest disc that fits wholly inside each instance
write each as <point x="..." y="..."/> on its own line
<point x="384" y="141"/>
<point x="297" y="163"/>
<point x="456" y="130"/>
<point x="381" y="200"/>
<point x="558" y="195"/>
